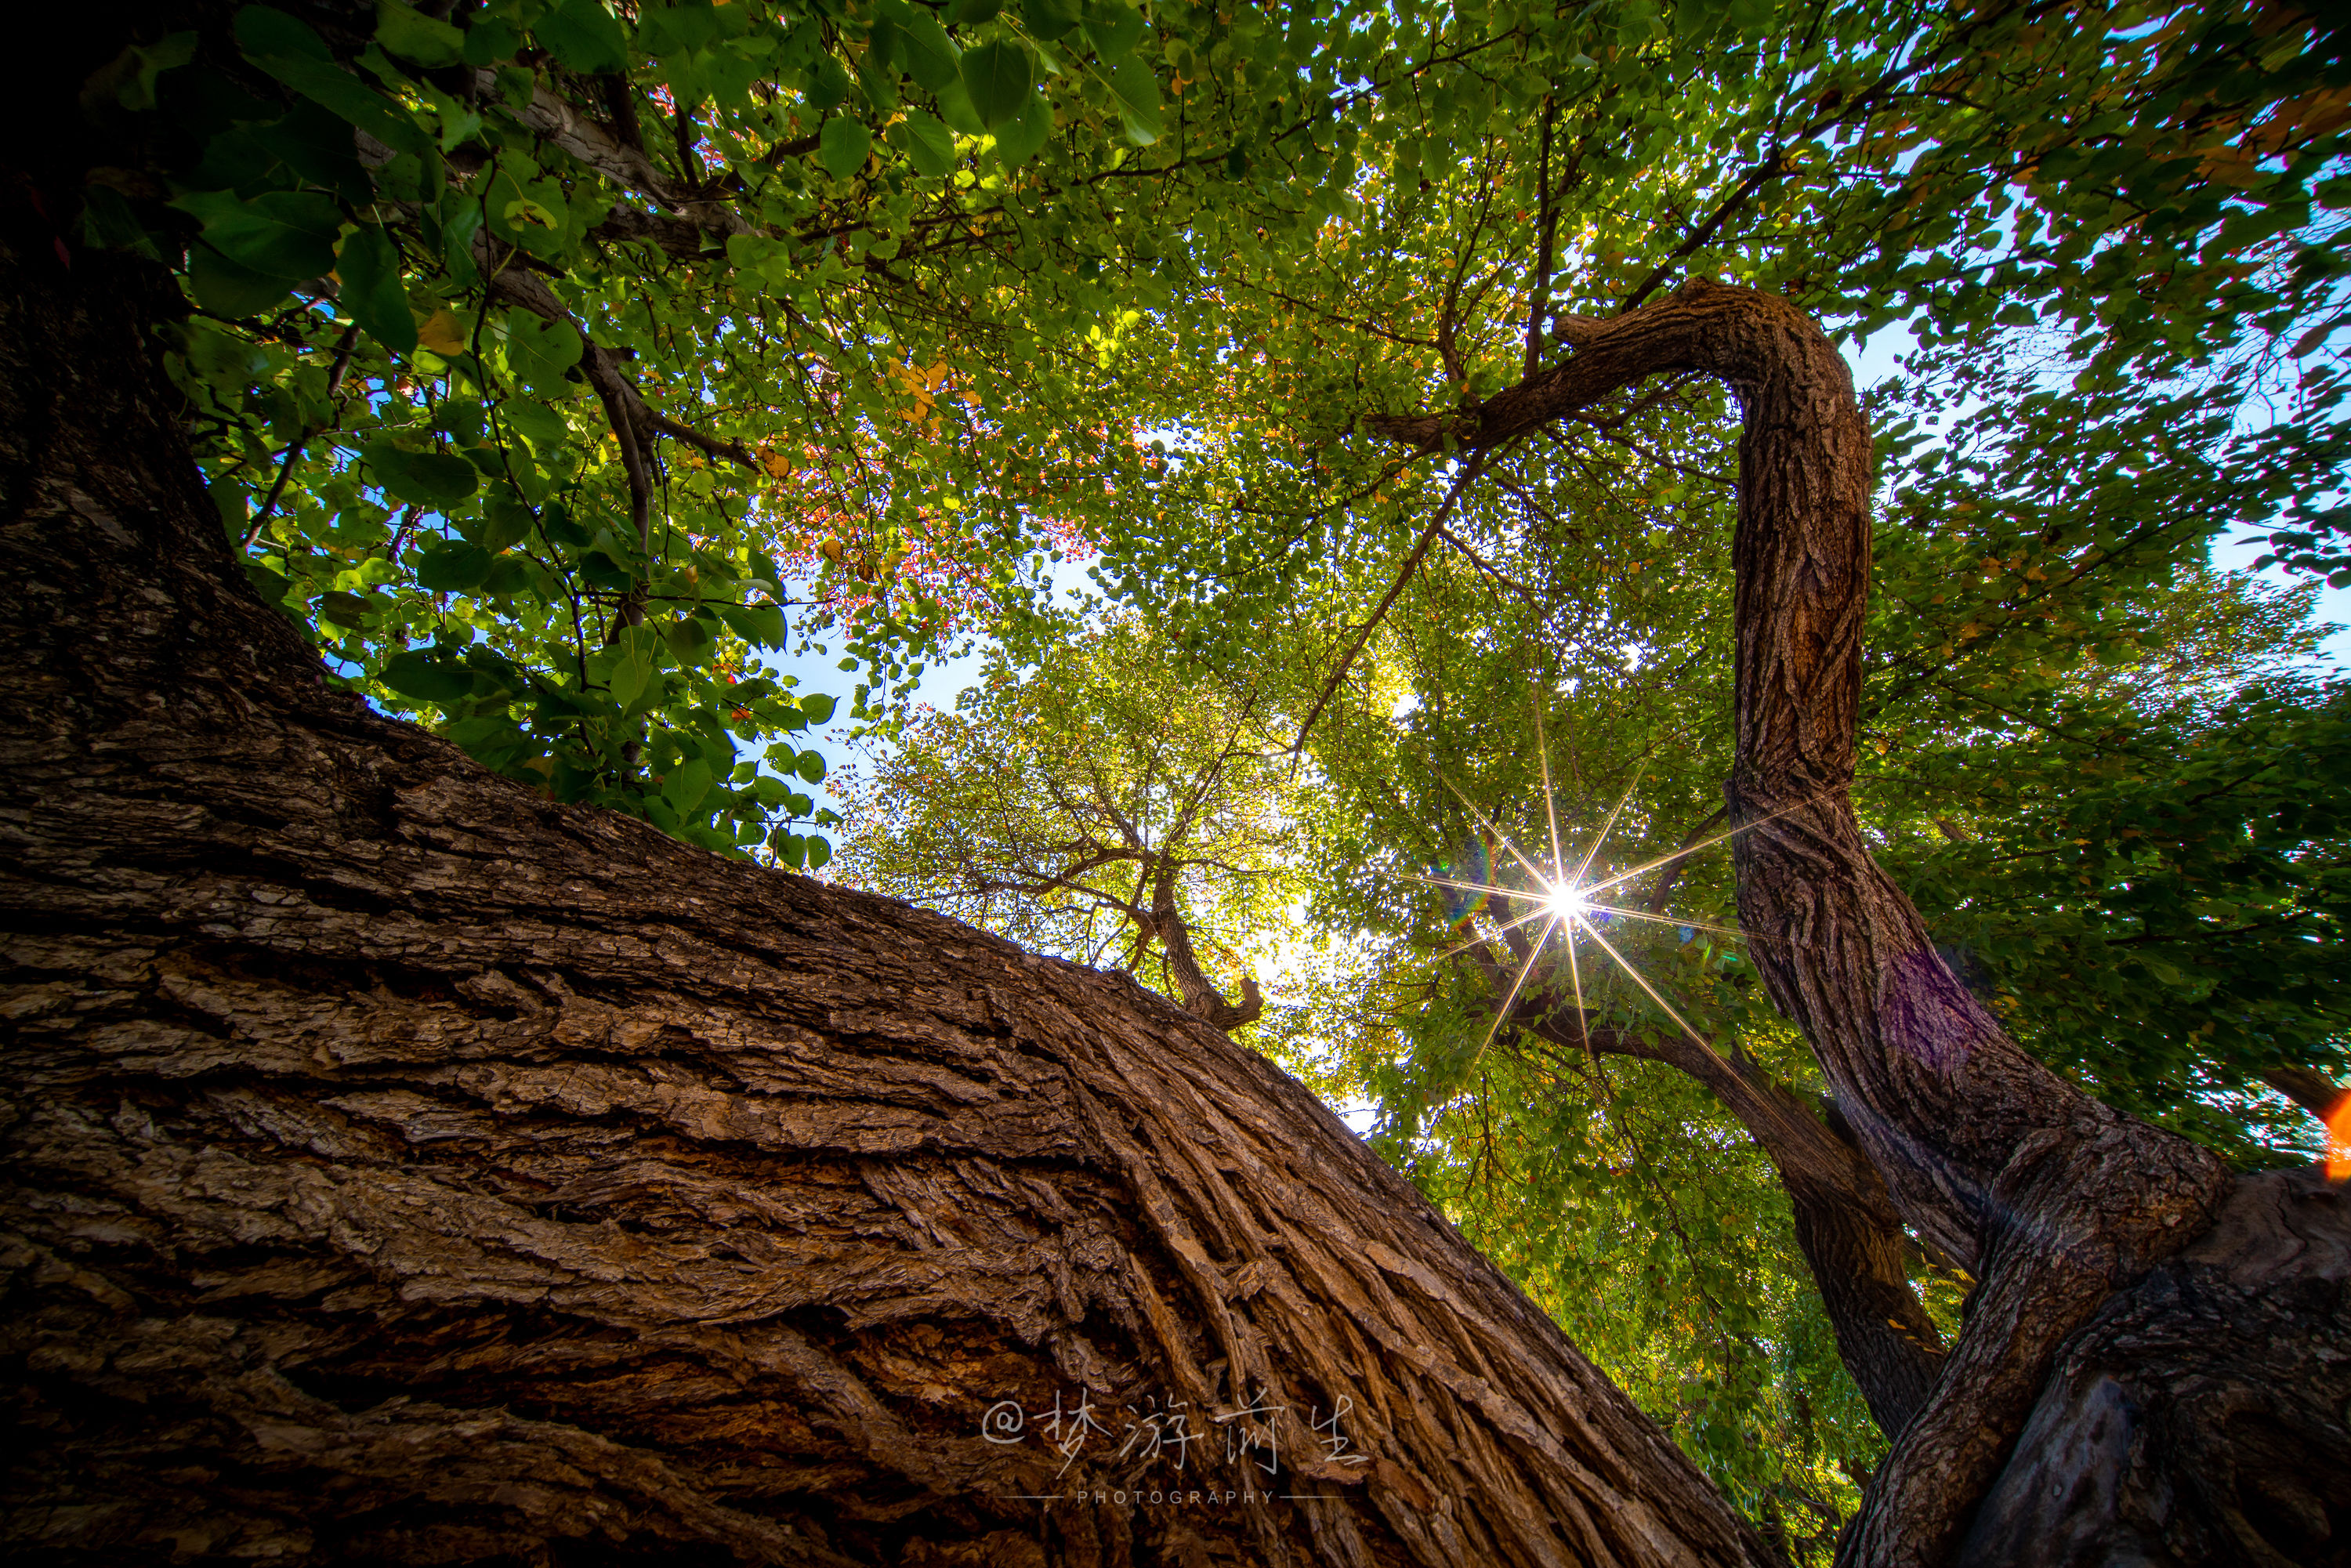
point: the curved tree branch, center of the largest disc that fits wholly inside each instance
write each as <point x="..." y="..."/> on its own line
<point x="1202" y="1000"/>
<point x="2053" y="1200"/>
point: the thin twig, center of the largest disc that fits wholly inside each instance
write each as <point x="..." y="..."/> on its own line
<point x="1412" y="562"/>
<point x="294" y="452"/>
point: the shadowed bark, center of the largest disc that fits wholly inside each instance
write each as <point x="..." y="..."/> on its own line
<point x="400" y="1166"/>
<point x="2057" y="1204"/>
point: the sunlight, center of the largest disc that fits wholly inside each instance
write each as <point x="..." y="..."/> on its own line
<point x="1568" y="904"/>
<point x="1565" y="901"/>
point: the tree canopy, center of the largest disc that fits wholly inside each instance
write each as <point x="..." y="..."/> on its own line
<point x="560" y="368"/>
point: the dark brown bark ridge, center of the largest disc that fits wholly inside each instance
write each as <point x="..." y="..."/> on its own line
<point x="400" y="1166"/>
<point x="2058" y="1205"/>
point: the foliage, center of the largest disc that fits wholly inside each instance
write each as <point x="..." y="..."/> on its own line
<point x="2111" y="232"/>
<point x="458" y="285"/>
<point x="1050" y="804"/>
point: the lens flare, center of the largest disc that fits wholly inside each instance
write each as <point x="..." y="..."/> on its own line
<point x="2338" y="1140"/>
<point x="1566" y="901"/>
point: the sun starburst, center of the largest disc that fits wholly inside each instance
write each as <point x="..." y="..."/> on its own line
<point x="1569" y="900"/>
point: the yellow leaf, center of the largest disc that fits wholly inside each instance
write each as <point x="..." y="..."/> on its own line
<point x="439" y="332"/>
<point x="523" y="210"/>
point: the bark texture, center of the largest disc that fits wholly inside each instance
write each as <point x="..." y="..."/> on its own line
<point x="2053" y="1201"/>
<point x="400" y="1166"/>
<point x="2199" y="1417"/>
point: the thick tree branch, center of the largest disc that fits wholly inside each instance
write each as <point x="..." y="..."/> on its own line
<point x="2308" y="1088"/>
<point x="1174" y="934"/>
<point x="2053" y="1200"/>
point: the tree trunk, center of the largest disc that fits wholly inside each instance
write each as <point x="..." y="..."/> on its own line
<point x="2060" y="1206"/>
<point x="400" y="1166"/>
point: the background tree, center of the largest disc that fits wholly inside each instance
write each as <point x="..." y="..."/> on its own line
<point x="1108" y="804"/>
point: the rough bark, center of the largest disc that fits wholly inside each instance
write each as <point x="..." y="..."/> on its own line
<point x="400" y="1166"/>
<point x="2052" y="1200"/>
<point x="2199" y="1416"/>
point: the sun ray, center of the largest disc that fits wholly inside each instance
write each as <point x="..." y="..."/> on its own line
<point x="1512" y="1000"/>
<point x="1693" y="849"/>
<point x="1536" y="912"/>
<point x="1606" y="827"/>
<point x="1567" y="906"/>
<point x="1582" y="1028"/>
<point x="1551" y="797"/>
<point x="1485" y="823"/>
<point x="1641" y="981"/>
<point x="1669" y="920"/>
<point x="1436" y="880"/>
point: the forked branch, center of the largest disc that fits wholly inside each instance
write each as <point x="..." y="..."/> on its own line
<point x="2051" y="1199"/>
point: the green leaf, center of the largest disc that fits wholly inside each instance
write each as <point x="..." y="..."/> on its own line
<point x="929" y="145"/>
<point x="539" y="424"/>
<point x="272" y="586"/>
<point x="352" y="611"/>
<point x="636" y="658"/>
<point x="879" y="81"/>
<point x="225" y="288"/>
<point x="998" y="76"/>
<point x="1113" y="28"/>
<point x="790" y="848"/>
<point x="1016" y="141"/>
<point x="418" y="674"/>
<point x="262" y="31"/>
<point x="932" y="57"/>
<point x="820" y="852"/>
<point x="294" y="53"/>
<point x="541" y="350"/>
<point x="505" y="523"/>
<point x="508" y="575"/>
<point x="585" y="37"/>
<point x="844" y="145"/>
<point x="811" y="767"/>
<point x="561" y="704"/>
<point x="1049" y="19"/>
<point x="761" y="626"/>
<point x="413" y="36"/>
<point x="452" y="566"/>
<point x="955" y="108"/>
<point x="972" y="13"/>
<point x="689" y="638"/>
<point x="828" y="84"/>
<point x="687" y="787"/>
<point x="489" y="39"/>
<point x="435" y="479"/>
<point x="1138" y="97"/>
<point x="369" y="265"/>
<point x="282" y="234"/>
<point x="818" y="707"/>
